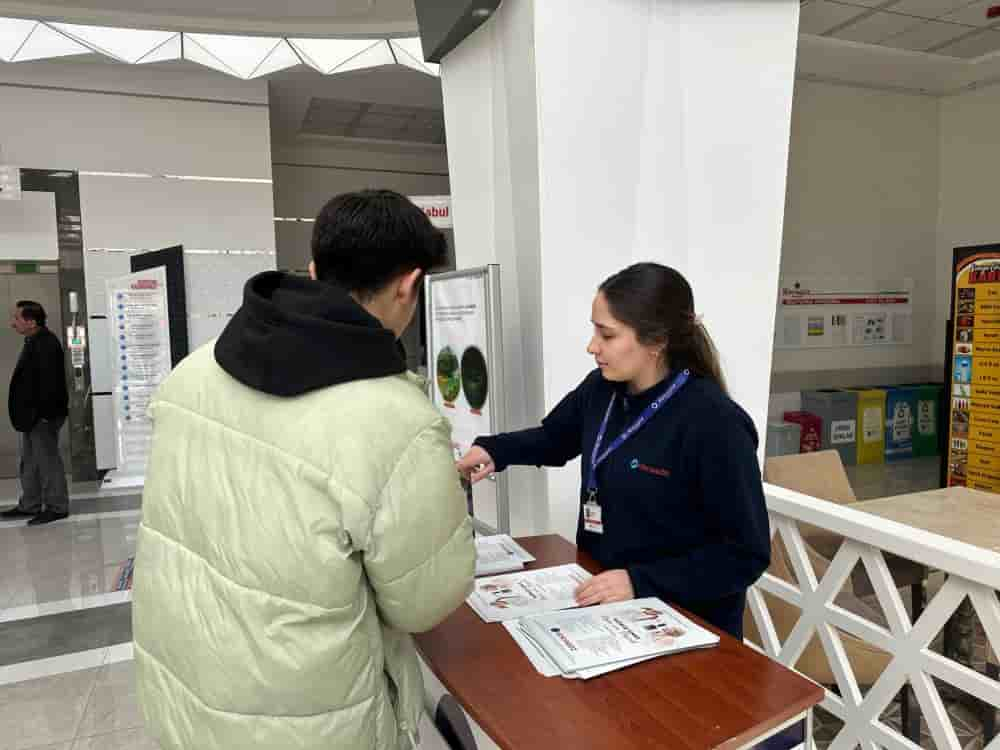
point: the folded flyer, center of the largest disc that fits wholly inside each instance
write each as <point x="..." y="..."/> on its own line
<point x="586" y="642"/>
<point x="499" y="554"/>
<point x="513" y="595"/>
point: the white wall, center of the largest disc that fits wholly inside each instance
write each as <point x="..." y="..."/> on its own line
<point x="301" y="188"/>
<point x="113" y="118"/>
<point x="970" y="170"/>
<point x="631" y="117"/>
<point x="863" y="201"/>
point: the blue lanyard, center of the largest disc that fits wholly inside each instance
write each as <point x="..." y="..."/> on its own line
<point x="597" y="458"/>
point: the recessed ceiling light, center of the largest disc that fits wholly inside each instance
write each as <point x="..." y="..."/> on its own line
<point x="481" y="12"/>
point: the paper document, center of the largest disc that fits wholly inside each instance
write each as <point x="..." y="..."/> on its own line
<point x="590" y="641"/>
<point x="513" y="595"/>
<point x="499" y="554"/>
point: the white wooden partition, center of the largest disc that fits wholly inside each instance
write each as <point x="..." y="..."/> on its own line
<point x="972" y="572"/>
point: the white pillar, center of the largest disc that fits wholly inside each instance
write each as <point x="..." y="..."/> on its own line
<point x="585" y="136"/>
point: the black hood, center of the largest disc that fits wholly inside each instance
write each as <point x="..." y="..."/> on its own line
<point x="293" y="335"/>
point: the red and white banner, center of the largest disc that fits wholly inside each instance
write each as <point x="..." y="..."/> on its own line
<point x="437" y="208"/>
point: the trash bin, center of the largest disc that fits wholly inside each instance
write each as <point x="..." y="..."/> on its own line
<point x="926" y="435"/>
<point x="839" y="411"/>
<point x="812" y="430"/>
<point x="783" y="438"/>
<point x="871" y="425"/>
<point x="900" y="421"/>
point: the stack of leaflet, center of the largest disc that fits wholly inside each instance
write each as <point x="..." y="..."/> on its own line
<point x="587" y="642"/>
<point x="514" y="595"/>
<point x="499" y="554"/>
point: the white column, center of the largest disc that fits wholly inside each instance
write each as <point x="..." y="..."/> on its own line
<point x="583" y="137"/>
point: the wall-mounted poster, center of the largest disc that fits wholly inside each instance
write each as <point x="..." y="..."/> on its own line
<point x="974" y="408"/>
<point x="464" y="340"/>
<point x="818" y="313"/>
<point x="139" y="317"/>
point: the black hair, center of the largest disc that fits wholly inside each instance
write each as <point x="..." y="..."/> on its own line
<point x="657" y="302"/>
<point x="362" y="240"/>
<point x="32" y="311"/>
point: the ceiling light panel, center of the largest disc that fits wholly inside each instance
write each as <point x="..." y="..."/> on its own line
<point x="241" y="54"/>
<point x="127" y="45"/>
<point x="13" y="33"/>
<point x="326" y="55"/>
<point x="45" y="42"/>
<point x="373" y="57"/>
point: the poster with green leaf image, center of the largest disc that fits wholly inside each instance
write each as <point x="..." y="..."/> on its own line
<point x="459" y="367"/>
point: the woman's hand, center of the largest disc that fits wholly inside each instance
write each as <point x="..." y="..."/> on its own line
<point x="475" y="465"/>
<point x="610" y="586"/>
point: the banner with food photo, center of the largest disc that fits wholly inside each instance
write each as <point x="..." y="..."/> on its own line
<point x="458" y="363"/>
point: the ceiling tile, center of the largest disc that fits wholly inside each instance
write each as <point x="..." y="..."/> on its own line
<point x="877" y="27"/>
<point x="981" y="43"/>
<point x="974" y="14"/>
<point x="821" y="16"/>
<point x="862" y="3"/>
<point x="927" y="35"/>
<point x="927" y="8"/>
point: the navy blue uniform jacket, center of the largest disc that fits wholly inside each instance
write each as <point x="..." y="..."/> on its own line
<point x="682" y="501"/>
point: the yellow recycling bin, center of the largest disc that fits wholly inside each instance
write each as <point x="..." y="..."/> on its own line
<point x="871" y="425"/>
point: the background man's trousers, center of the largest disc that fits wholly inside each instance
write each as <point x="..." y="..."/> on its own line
<point x="41" y="470"/>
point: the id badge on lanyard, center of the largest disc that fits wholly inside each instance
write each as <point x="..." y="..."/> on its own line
<point x="593" y="516"/>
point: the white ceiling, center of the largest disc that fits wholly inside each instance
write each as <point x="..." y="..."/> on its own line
<point x="950" y="28"/>
<point x="296" y="18"/>
<point x="295" y="95"/>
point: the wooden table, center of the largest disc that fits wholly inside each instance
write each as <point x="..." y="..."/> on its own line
<point x="726" y="697"/>
<point x="954" y="512"/>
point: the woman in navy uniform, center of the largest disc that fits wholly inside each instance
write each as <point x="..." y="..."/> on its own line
<point x="671" y="499"/>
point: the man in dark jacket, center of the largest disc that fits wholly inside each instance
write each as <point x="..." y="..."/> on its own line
<point x="38" y="404"/>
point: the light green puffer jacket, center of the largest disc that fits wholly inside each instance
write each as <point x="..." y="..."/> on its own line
<point x="287" y="548"/>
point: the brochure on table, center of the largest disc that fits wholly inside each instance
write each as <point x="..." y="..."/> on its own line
<point x="499" y="554"/>
<point x="464" y="359"/>
<point x="587" y="642"/>
<point x="513" y="595"/>
<point x="138" y="312"/>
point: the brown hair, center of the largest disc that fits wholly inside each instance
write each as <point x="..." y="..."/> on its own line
<point x="657" y="302"/>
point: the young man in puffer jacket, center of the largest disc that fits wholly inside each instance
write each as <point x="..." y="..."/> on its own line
<point x="302" y="513"/>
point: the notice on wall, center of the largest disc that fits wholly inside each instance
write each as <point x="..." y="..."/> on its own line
<point x="974" y="436"/>
<point x="828" y="313"/>
<point x="137" y="310"/>
<point x="458" y="363"/>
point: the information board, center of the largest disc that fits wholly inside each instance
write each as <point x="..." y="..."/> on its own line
<point x="974" y="401"/>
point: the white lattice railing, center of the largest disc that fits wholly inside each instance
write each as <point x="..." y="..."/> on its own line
<point x="972" y="572"/>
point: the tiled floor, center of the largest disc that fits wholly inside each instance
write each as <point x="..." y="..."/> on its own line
<point x="92" y="709"/>
<point x="66" y="675"/>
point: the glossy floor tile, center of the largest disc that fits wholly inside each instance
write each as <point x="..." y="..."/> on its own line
<point x="64" y="561"/>
<point x="65" y="633"/>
